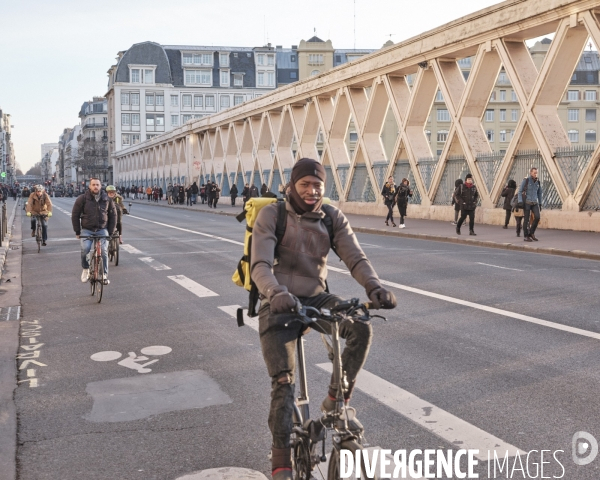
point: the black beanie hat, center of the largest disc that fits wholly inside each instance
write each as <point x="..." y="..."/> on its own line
<point x="307" y="166"/>
<point x="468" y="176"/>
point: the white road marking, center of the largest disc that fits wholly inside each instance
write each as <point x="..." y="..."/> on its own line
<point x="189" y="231"/>
<point x="454" y="430"/>
<point x="130" y="249"/>
<point x="31" y="372"/>
<point x="154" y="264"/>
<point x="485" y="308"/>
<point x="192" y="286"/>
<point x="497" y="266"/>
<point x="66" y="212"/>
<point x="106" y="356"/>
<point x="232" y="310"/>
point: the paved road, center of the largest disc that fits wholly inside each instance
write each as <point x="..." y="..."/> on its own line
<point x="487" y="348"/>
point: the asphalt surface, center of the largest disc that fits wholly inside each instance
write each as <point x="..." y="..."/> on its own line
<point x="509" y="363"/>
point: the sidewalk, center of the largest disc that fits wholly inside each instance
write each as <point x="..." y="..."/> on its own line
<point x="554" y="242"/>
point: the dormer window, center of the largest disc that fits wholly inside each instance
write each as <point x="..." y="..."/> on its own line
<point x="141" y="74"/>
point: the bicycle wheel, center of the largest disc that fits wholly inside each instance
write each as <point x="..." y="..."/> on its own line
<point x="92" y="279"/>
<point x="38" y="235"/>
<point x="333" y="471"/>
<point x="111" y="250"/>
<point x="116" y="252"/>
<point x="100" y="281"/>
<point x="302" y="464"/>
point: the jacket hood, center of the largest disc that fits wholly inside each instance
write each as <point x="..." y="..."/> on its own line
<point x="512" y="184"/>
<point x="458" y="182"/>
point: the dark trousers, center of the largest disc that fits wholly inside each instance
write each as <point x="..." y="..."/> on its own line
<point x="215" y="200"/>
<point x="233" y="197"/>
<point x="507" y="218"/>
<point x="44" y="228"/>
<point x="530" y="229"/>
<point x="278" y="344"/>
<point x="463" y="217"/>
<point x="402" y="209"/>
<point x="390" y="215"/>
<point x="519" y="223"/>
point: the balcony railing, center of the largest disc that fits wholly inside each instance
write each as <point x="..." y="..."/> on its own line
<point x="94" y="125"/>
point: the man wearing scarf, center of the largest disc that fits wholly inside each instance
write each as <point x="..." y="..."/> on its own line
<point x="299" y="275"/>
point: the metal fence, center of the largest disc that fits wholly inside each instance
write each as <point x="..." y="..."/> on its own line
<point x="379" y="171"/>
<point x="572" y="162"/>
<point x="361" y="188"/>
<point x="427" y="166"/>
<point x="342" y="172"/>
<point x="593" y="200"/>
<point x="523" y="161"/>
<point x="489" y="164"/>
<point x="456" y="167"/>
<point x="330" y="186"/>
<point x="402" y="170"/>
<point x="276" y="182"/>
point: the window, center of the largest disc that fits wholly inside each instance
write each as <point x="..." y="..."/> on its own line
<point x="175" y="120"/>
<point x="270" y="60"/>
<point x="489" y="115"/>
<point x="502" y="115"/>
<point x="590" y="115"/>
<point x="174" y="100"/>
<point x="514" y="115"/>
<point x="293" y="75"/>
<point x="150" y="137"/>
<point x="209" y="101"/>
<point x="135" y="139"/>
<point x="573" y="114"/>
<point x="203" y="59"/>
<point x="235" y="55"/>
<point x="160" y="100"/>
<point x="574" y="136"/>
<point x="135" y="98"/>
<point x="126" y="140"/>
<point x="261" y="59"/>
<point x="315" y="59"/>
<point x="135" y="119"/>
<point x="490" y="135"/>
<point x="503" y="95"/>
<point x="260" y="79"/>
<point x="224" y="59"/>
<point x="271" y="79"/>
<point x="314" y="73"/>
<point x="293" y="58"/>
<point x="238" y="99"/>
<point x="186" y="118"/>
<point x="442" y="135"/>
<point x="198" y="77"/>
<point x="338" y="59"/>
<point x="149" y="99"/>
<point x="148" y="76"/>
<point x="124" y="119"/>
<point x="439" y="97"/>
<point x="513" y="96"/>
<point x="353" y="137"/>
<point x="590" y="95"/>
<point x="238" y="80"/>
<point x="590" y="136"/>
<point x="135" y="75"/>
<point x="160" y="120"/>
<point x="198" y="101"/>
<point x="224" y="78"/>
<point x="573" y="95"/>
<point x="187" y="58"/>
<point x="590" y="78"/>
<point x="502" y="78"/>
<point x="443" y="115"/>
<point x="225" y="101"/>
<point x="186" y="100"/>
<point x="124" y="99"/>
<point x="503" y="135"/>
<point x="149" y="120"/>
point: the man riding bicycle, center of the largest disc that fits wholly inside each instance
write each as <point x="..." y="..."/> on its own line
<point x="117" y="199"/>
<point x="296" y="274"/>
<point x="94" y="213"/>
<point x="39" y="203"/>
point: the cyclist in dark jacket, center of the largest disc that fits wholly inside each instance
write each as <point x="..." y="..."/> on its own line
<point x="233" y="194"/>
<point x="94" y="213"/>
<point x="508" y="193"/>
<point x="467" y="196"/>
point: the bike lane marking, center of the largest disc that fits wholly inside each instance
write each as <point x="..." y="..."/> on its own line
<point x="232" y="311"/>
<point x="154" y="264"/>
<point x="192" y="286"/>
<point x="130" y="249"/>
<point x="485" y="308"/>
<point x="454" y="430"/>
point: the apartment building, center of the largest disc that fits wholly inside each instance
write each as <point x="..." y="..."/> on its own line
<point x="92" y="158"/>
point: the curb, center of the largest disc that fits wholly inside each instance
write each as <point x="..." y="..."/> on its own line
<point x="483" y="243"/>
<point x="5" y="247"/>
<point x="581" y="254"/>
<point x="191" y="209"/>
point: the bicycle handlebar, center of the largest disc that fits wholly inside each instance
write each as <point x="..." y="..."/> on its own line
<point x="341" y="311"/>
<point x="99" y="237"/>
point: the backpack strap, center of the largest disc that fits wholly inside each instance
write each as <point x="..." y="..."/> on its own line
<point x="328" y="221"/>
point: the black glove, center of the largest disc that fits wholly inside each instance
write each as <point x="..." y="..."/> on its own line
<point x="282" y="301"/>
<point x="382" y="298"/>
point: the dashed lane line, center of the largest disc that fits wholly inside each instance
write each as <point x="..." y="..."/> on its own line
<point x="498" y="266"/>
<point x="485" y="308"/>
<point x="130" y="249"/>
<point x="154" y="264"/>
<point x="452" y="429"/>
<point x="195" y="288"/>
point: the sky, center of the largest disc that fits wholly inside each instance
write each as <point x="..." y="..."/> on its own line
<point x="55" y="54"/>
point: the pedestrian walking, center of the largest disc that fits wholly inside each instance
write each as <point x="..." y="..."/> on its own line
<point x="188" y="196"/>
<point x="389" y="198"/>
<point x="181" y="198"/>
<point x="246" y="194"/>
<point x="517" y="211"/>
<point x="194" y="193"/>
<point x="233" y="193"/>
<point x="403" y="192"/>
<point x="455" y="203"/>
<point x="508" y="193"/>
<point x="467" y="196"/>
<point x="149" y="193"/>
<point x="203" y="193"/>
<point x="253" y="192"/>
<point x="263" y="190"/>
<point x="530" y="196"/>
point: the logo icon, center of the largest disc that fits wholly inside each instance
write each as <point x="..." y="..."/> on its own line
<point x="584" y="449"/>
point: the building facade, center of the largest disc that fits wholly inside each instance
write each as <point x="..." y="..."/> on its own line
<point x="92" y="151"/>
<point x="7" y="152"/>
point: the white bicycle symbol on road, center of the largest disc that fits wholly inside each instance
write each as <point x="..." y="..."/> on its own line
<point x="133" y="361"/>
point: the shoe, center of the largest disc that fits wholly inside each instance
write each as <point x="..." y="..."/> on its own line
<point x="43" y="244"/>
<point x="33" y="233"/>
<point x="105" y="280"/>
<point x="505" y="227"/>
<point x="532" y="236"/>
<point x="283" y="474"/>
<point x="527" y="239"/>
<point x="393" y="224"/>
<point x="518" y="234"/>
<point x="457" y="231"/>
<point x="471" y="232"/>
<point x="402" y="225"/>
<point x="387" y="224"/>
<point x="85" y="275"/>
<point x="453" y="223"/>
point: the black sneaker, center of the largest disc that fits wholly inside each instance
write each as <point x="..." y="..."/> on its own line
<point x="43" y="244"/>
